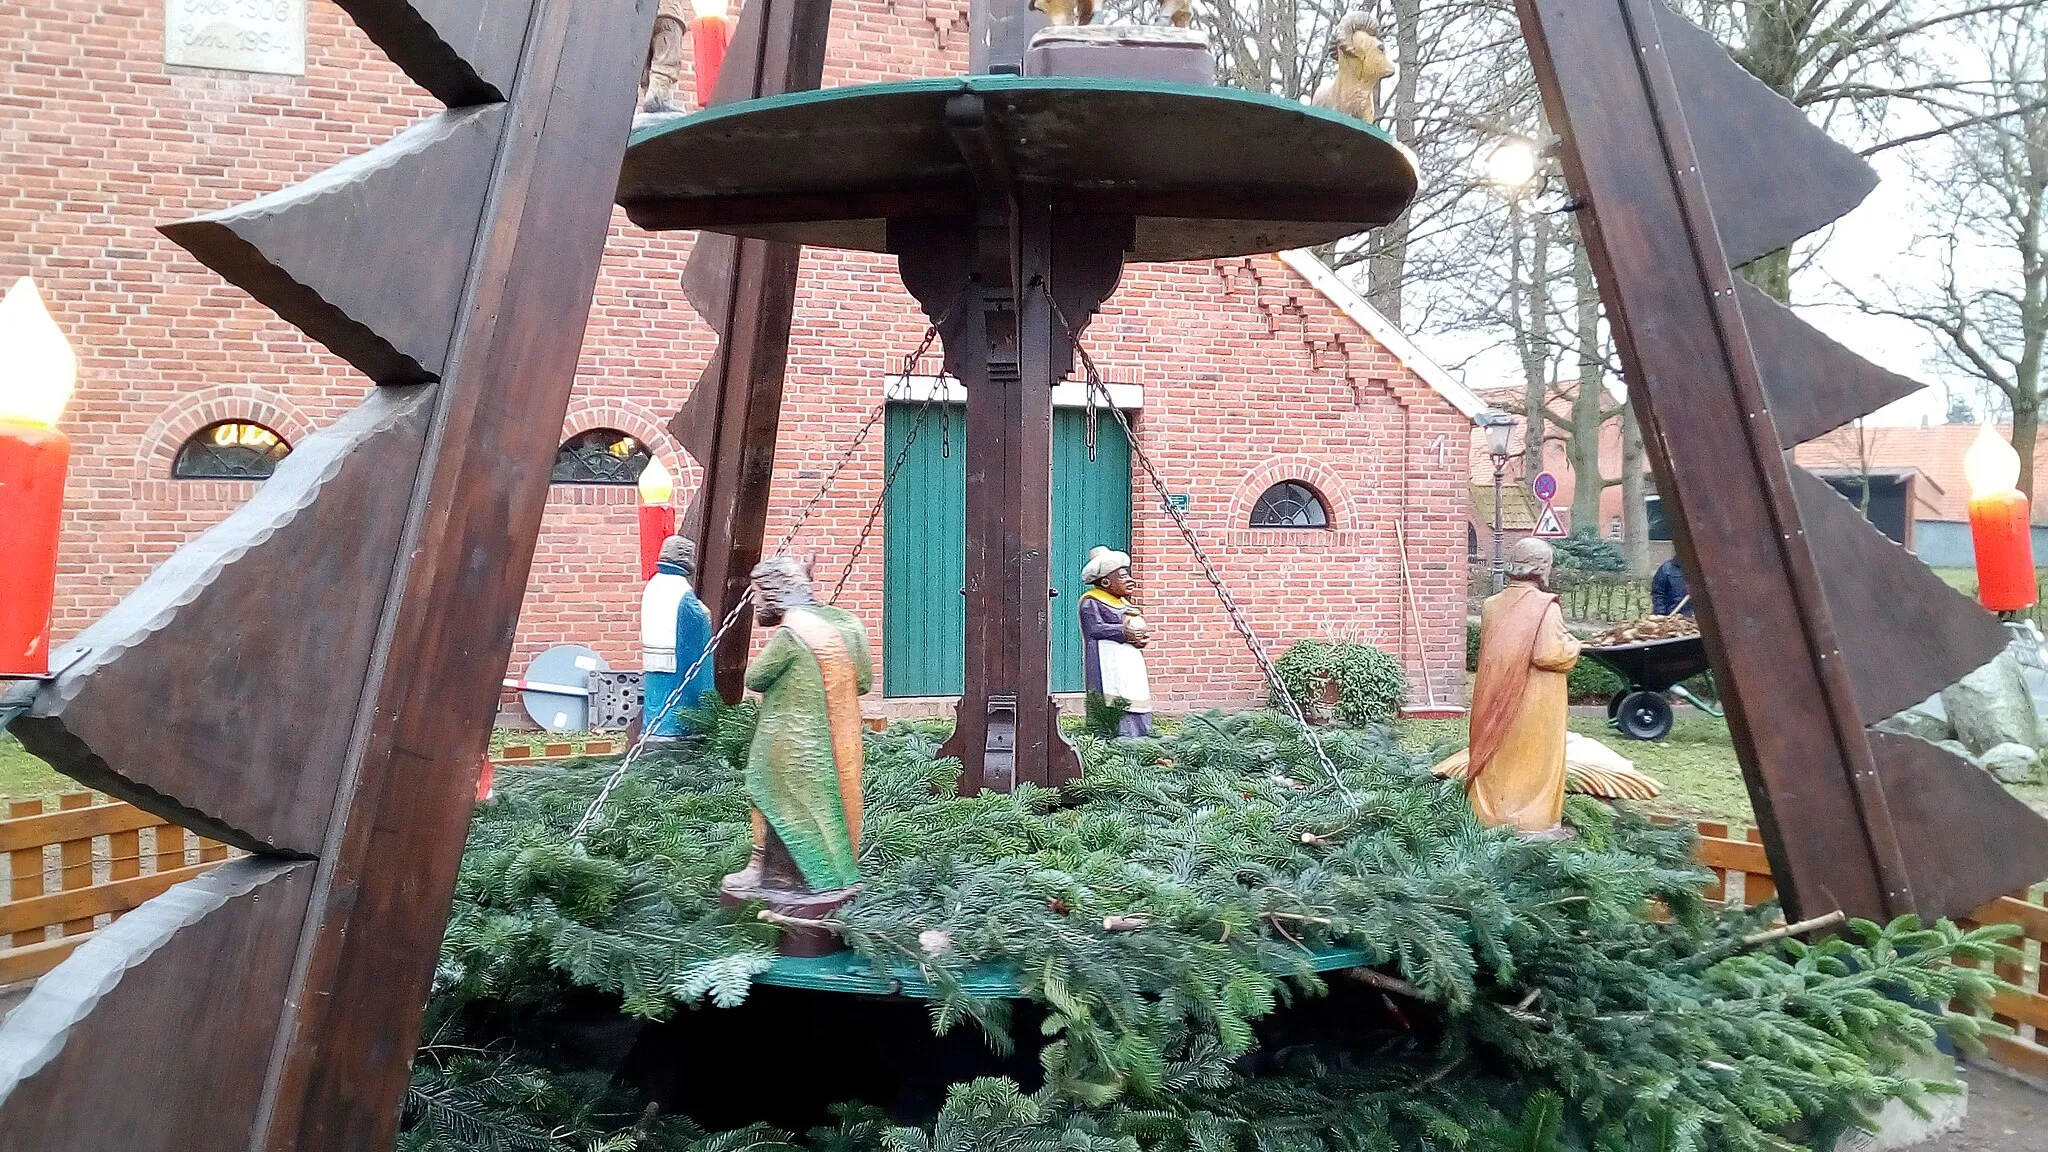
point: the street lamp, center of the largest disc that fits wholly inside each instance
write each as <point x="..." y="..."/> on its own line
<point x="1512" y="166"/>
<point x="37" y="373"/>
<point x="1500" y="434"/>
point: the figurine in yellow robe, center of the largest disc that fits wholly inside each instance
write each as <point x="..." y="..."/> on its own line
<point x="1519" y="701"/>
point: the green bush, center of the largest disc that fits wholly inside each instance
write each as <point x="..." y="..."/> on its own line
<point x="1592" y="682"/>
<point x="1541" y="1003"/>
<point x="1471" y="646"/>
<point x="1587" y="551"/>
<point x="1371" y="685"/>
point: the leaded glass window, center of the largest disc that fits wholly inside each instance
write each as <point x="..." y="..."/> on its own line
<point x="1290" y="505"/>
<point x="230" y="450"/>
<point x="600" y="456"/>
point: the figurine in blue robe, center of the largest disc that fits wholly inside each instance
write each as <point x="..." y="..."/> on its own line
<point x="675" y="635"/>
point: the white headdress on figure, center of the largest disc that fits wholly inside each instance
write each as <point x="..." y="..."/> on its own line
<point x="1103" y="563"/>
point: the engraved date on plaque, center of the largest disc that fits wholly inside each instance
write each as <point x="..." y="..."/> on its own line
<point x="236" y="35"/>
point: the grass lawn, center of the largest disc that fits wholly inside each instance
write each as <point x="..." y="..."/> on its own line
<point x="23" y="777"/>
<point x="1696" y="764"/>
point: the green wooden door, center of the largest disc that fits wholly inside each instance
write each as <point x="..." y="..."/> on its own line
<point x="924" y="616"/>
<point x="1091" y="505"/>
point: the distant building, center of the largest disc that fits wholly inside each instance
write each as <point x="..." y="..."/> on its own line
<point x="1917" y="493"/>
<point x="1917" y="468"/>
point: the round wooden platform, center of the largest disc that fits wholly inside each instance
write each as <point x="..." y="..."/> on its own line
<point x="1206" y="171"/>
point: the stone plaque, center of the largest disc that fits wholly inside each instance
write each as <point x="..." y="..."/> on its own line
<point x="238" y="35"/>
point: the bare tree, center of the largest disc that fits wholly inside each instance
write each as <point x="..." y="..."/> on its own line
<point x="1854" y="66"/>
<point x="1986" y="302"/>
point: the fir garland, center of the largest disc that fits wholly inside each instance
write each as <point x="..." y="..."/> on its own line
<point x="1577" y="994"/>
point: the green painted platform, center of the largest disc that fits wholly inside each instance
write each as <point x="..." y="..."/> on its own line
<point x="848" y="972"/>
<point x="1206" y="171"/>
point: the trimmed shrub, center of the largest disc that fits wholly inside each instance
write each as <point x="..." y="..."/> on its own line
<point x="1371" y="685"/>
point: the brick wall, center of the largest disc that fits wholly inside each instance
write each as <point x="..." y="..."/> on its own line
<point x="1250" y="375"/>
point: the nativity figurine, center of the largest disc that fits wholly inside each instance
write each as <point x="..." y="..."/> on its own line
<point x="1065" y="13"/>
<point x="664" y="59"/>
<point x="1113" y="636"/>
<point x="675" y="642"/>
<point x="1362" y="63"/>
<point x="1515" y="775"/>
<point x="803" y="771"/>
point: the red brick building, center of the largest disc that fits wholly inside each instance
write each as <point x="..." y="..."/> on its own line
<point x="1242" y="374"/>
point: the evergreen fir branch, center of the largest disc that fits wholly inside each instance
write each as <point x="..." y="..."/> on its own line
<point x="1540" y="971"/>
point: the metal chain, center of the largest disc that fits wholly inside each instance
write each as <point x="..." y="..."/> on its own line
<point x="1231" y="608"/>
<point x="888" y="482"/>
<point x="740" y="609"/>
<point x="647" y="727"/>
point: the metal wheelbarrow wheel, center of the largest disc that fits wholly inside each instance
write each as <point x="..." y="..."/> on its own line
<point x="1641" y="714"/>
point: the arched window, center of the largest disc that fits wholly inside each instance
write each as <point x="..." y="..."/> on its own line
<point x="1290" y="504"/>
<point x="230" y="450"/>
<point x="600" y="456"/>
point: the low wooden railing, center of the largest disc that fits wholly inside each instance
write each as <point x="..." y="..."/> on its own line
<point x="74" y="868"/>
<point x="1743" y="877"/>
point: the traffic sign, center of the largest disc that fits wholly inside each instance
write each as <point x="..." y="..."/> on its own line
<point x="1545" y="487"/>
<point x="1547" y="524"/>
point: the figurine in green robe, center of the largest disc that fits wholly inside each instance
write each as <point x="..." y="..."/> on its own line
<point x="804" y="769"/>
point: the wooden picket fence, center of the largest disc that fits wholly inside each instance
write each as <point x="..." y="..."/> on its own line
<point x="1742" y="876"/>
<point x="552" y="750"/>
<point x="76" y="867"/>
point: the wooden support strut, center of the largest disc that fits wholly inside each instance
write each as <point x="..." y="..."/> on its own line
<point x="746" y="290"/>
<point x="986" y="281"/>
<point x="1609" y="87"/>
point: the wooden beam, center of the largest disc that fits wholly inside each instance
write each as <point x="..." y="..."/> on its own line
<point x="746" y="291"/>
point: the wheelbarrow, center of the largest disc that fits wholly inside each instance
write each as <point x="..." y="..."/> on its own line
<point x="1652" y="668"/>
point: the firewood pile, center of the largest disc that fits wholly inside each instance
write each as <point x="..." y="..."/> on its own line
<point x="1646" y="629"/>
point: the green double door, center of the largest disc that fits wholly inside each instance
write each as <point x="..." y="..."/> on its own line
<point x="924" y="615"/>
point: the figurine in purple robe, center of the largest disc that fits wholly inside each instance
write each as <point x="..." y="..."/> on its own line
<point x="1113" y="635"/>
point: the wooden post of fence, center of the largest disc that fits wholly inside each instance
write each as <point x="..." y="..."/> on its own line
<point x="170" y="847"/>
<point x="1718" y="890"/>
<point x="75" y="858"/>
<point x="1757" y="887"/>
<point x="25" y="870"/>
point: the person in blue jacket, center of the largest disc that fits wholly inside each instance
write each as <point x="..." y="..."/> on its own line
<point x="1668" y="591"/>
<point x="675" y="636"/>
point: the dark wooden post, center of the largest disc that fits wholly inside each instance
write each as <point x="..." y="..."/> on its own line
<point x="990" y="283"/>
<point x="1819" y="627"/>
<point x="746" y="291"/>
<point x="314" y="678"/>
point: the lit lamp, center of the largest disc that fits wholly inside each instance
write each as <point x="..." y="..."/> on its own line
<point x="657" y="513"/>
<point x="1511" y="166"/>
<point x="37" y="373"/>
<point x="2000" y="525"/>
<point x="710" y="31"/>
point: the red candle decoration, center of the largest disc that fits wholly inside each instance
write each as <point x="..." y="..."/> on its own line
<point x="37" y="372"/>
<point x="2000" y="524"/>
<point x="657" y="514"/>
<point x="710" y="32"/>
